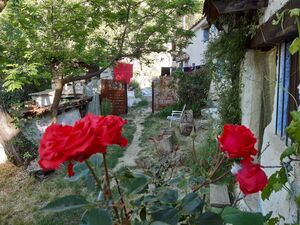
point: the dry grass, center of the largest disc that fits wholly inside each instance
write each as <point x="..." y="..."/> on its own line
<point x="21" y="197"/>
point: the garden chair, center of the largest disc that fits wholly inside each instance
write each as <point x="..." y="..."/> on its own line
<point x="176" y="115"/>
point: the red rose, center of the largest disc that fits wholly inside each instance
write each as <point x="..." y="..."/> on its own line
<point x="251" y="178"/>
<point x="52" y="146"/>
<point x="237" y="141"/>
<point x="88" y="136"/>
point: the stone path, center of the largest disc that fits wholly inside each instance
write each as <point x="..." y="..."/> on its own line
<point x="131" y="153"/>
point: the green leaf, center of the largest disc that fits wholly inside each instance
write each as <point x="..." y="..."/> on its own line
<point x="295" y="12"/>
<point x="143" y="214"/>
<point x="80" y="170"/>
<point x="295" y="46"/>
<point x="236" y="217"/>
<point x="276" y="182"/>
<point x="134" y="183"/>
<point x="168" y="196"/>
<point x="289" y="151"/>
<point x="191" y="202"/>
<point x="66" y="203"/>
<point x="293" y="129"/>
<point x="96" y="217"/>
<point x="209" y="218"/>
<point x="166" y="214"/>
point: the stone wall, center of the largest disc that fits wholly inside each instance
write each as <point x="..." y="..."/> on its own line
<point x="164" y="93"/>
<point x="34" y="128"/>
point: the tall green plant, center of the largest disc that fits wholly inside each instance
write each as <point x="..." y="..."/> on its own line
<point x="224" y="57"/>
<point x="193" y="88"/>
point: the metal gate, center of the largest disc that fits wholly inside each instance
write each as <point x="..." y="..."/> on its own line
<point x="116" y="93"/>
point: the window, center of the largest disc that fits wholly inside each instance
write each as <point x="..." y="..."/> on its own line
<point x="287" y="88"/>
<point x="206" y="34"/>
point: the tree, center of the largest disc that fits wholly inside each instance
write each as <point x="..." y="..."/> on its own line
<point x="78" y="39"/>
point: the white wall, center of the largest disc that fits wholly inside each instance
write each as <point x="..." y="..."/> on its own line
<point x="281" y="203"/>
<point x="273" y="7"/>
<point x="3" y="156"/>
<point x="197" y="48"/>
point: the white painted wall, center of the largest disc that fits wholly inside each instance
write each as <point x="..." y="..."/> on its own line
<point x="3" y="156"/>
<point x="273" y="7"/>
<point x="281" y="203"/>
<point x="198" y="46"/>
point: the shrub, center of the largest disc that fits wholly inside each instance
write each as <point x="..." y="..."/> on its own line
<point x="135" y="86"/>
<point x="106" y="107"/>
<point x="168" y="110"/>
<point x="193" y="89"/>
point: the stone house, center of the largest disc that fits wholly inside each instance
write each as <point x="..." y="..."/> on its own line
<point x="270" y="81"/>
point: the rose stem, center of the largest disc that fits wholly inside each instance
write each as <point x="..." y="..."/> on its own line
<point x="121" y="196"/>
<point x="217" y="167"/>
<point x="88" y="164"/>
<point x="211" y="182"/>
<point x="106" y="174"/>
<point x="108" y="184"/>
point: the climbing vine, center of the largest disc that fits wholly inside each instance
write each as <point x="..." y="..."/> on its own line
<point x="224" y="57"/>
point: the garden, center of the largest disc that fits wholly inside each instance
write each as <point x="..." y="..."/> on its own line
<point x="186" y="155"/>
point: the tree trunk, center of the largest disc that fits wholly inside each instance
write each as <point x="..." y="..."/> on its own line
<point x="2" y="4"/>
<point x="7" y="134"/>
<point x="59" y="85"/>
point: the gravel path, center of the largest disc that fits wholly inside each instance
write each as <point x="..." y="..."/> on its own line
<point x="131" y="153"/>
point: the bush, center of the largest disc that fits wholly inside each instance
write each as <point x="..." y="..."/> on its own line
<point x="193" y="89"/>
<point x="106" y="107"/>
<point x="168" y="110"/>
<point x="135" y="86"/>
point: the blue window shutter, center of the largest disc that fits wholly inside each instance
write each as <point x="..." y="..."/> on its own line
<point x="283" y="79"/>
<point x="286" y="87"/>
<point x="280" y="75"/>
<point x="206" y="35"/>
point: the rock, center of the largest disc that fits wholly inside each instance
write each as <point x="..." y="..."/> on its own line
<point x="34" y="169"/>
<point x="204" y="124"/>
<point x="187" y="122"/>
<point x="186" y="128"/>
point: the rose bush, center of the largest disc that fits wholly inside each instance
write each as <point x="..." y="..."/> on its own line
<point x="237" y="141"/>
<point x="88" y="136"/>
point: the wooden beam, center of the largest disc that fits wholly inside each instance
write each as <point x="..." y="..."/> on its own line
<point x="268" y="35"/>
<point x="229" y="6"/>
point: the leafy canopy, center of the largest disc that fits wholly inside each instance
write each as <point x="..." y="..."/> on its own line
<point x="65" y="38"/>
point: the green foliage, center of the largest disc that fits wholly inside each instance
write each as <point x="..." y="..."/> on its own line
<point x="92" y="216"/>
<point x="293" y="129"/>
<point x="236" y="217"/>
<point x="142" y="103"/>
<point x="106" y="107"/>
<point x="193" y="88"/>
<point x="168" y="110"/>
<point x="66" y="203"/>
<point x="37" y="39"/>
<point x="277" y="182"/>
<point x="26" y="149"/>
<point x="224" y="57"/>
<point x="135" y="86"/>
